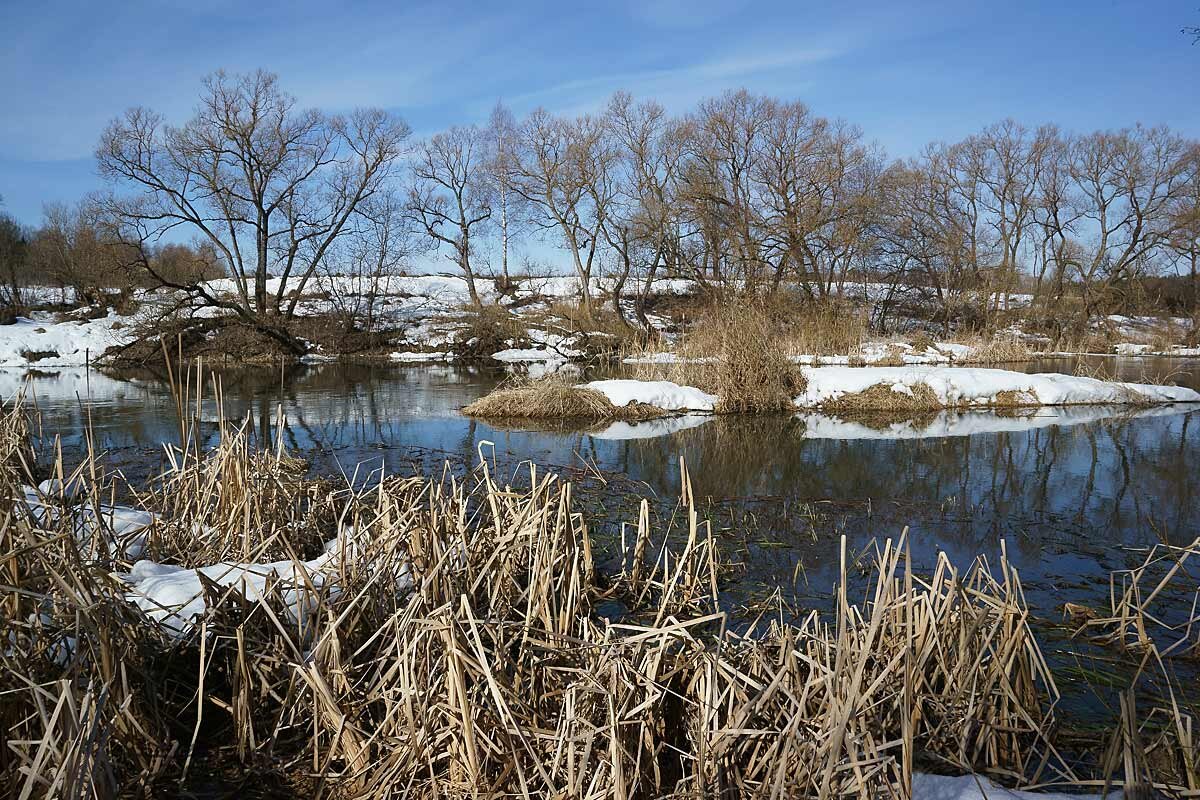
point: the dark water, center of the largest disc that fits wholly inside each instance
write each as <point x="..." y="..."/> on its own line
<point x="1072" y="494"/>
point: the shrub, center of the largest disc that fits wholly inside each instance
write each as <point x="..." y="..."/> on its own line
<point x="738" y="350"/>
<point x="489" y="329"/>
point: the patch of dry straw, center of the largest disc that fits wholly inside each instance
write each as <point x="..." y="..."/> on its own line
<point x="495" y="675"/>
<point x="553" y="398"/>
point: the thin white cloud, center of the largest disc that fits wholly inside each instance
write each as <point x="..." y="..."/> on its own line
<point x="676" y="85"/>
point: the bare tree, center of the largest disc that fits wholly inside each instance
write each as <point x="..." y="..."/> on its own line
<point x="818" y="185"/>
<point x="1056" y="214"/>
<point x="642" y="226"/>
<point x="266" y="183"/>
<point x="1010" y="162"/>
<point x="74" y="249"/>
<point x="502" y="128"/>
<point x="1125" y="182"/>
<point x="451" y="196"/>
<point x="1183" y="226"/>
<point x="14" y="251"/>
<point x="561" y="169"/>
<point x="377" y="248"/>
<point x="926" y="236"/>
<point x="718" y="188"/>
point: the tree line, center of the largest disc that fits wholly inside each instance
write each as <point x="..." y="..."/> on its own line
<point x="79" y="254"/>
<point x="744" y="192"/>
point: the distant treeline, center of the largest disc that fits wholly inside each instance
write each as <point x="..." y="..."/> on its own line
<point x="745" y="192"/>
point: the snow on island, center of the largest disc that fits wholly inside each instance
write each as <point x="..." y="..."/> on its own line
<point x="966" y="387"/>
<point x="662" y="394"/>
<point x="914" y="387"/>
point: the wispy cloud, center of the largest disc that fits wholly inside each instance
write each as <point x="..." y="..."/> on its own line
<point x="677" y="85"/>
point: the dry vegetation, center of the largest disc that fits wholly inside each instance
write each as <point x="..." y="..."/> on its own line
<point x="490" y="328"/>
<point x="554" y="397"/>
<point x="1000" y="350"/>
<point x="736" y="349"/>
<point x="827" y="328"/>
<point x="882" y="397"/>
<point x="453" y="648"/>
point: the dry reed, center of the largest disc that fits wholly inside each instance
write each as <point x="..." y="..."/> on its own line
<point x="554" y="398"/>
<point x="1000" y="350"/>
<point x="454" y="649"/>
<point x="736" y="351"/>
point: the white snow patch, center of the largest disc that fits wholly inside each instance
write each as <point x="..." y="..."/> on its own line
<point x="961" y="386"/>
<point x="119" y="530"/>
<point x="661" y="394"/>
<point x="407" y="357"/>
<point x="173" y="596"/>
<point x="527" y="355"/>
<point x="69" y="343"/>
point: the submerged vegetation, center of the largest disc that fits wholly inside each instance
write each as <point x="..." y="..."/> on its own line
<point x="454" y="635"/>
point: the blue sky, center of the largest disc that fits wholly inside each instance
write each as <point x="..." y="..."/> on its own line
<point x="907" y="73"/>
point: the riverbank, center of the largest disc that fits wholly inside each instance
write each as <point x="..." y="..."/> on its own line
<point x="353" y="628"/>
<point x="535" y="320"/>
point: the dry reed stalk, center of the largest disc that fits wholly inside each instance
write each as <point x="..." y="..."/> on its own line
<point x="452" y="648"/>
<point x="735" y="350"/>
<point x="551" y="398"/>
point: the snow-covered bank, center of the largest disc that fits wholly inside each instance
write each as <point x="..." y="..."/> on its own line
<point x="41" y="341"/>
<point x="964" y="387"/>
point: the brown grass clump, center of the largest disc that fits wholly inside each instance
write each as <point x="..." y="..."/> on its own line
<point x="553" y="398"/>
<point x="829" y="327"/>
<point x="1001" y="350"/>
<point x="738" y="352"/>
<point x="883" y="398"/>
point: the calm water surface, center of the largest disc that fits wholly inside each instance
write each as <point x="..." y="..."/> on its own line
<point x="1072" y="494"/>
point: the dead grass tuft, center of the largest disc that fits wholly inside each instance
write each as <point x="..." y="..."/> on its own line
<point x="1001" y="350"/>
<point x="554" y="398"/>
<point x="883" y="398"/>
<point x="737" y="352"/>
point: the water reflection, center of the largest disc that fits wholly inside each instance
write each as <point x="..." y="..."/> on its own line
<point x="1071" y="491"/>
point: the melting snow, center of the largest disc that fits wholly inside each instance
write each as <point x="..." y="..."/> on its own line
<point x="661" y="394"/>
<point x="962" y="386"/>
